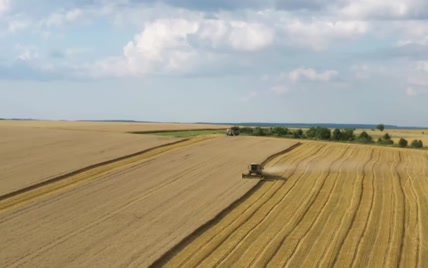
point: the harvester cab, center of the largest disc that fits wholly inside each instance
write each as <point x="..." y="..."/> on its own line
<point x="255" y="171"/>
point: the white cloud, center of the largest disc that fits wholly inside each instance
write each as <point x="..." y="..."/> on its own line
<point x="4" y="6"/>
<point x="319" y="34"/>
<point x="16" y="25"/>
<point x="364" y="9"/>
<point x="280" y="90"/>
<point x="418" y="80"/>
<point x="422" y="66"/>
<point x="413" y="92"/>
<point x="179" y="45"/>
<point x="26" y="53"/>
<point x="311" y="74"/>
<point x="251" y="95"/>
<point x="58" y="19"/>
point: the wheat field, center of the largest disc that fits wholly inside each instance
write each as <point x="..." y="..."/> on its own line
<point x="32" y="155"/>
<point x="131" y="215"/>
<point x="146" y="200"/>
<point x="340" y="206"/>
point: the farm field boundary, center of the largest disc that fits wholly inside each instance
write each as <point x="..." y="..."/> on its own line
<point x="39" y="190"/>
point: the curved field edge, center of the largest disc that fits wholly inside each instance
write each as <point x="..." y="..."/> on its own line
<point x="216" y="219"/>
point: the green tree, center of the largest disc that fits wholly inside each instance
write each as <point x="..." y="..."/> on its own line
<point x="247" y="130"/>
<point x="364" y="137"/>
<point x="280" y="131"/>
<point x="337" y="135"/>
<point x="386" y="136"/>
<point x="417" y="144"/>
<point x="298" y="133"/>
<point x="348" y="134"/>
<point x="402" y="142"/>
<point x="380" y="127"/>
<point x="258" y="131"/>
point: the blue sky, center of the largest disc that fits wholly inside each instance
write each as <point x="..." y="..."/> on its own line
<point x="337" y="61"/>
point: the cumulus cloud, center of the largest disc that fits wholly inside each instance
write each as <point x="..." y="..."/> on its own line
<point x="311" y="74"/>
<point x="179" y="45"/>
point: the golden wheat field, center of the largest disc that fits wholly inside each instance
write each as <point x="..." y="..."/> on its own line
<point x="340" y="205"/>
<point x="134" y="211"/>
<point x="95" y="197"/>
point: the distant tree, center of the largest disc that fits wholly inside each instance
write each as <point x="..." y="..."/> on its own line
<point x="319" y="133"/>
<point x="337" y="135"/>
<point x="364" y="137"/>
<point x="280" y="131"/>
<point x="348" y="134"/>
<point x="402" y="142"/>
<point x="247" y="130"/>
<point x="386" y="136"/>
<point x="380" y="127"/>
<point x="298" y="133"/>
<point x="417" y="144"/>
<point x="258" y="131"/>
<point x="386" y="139"/>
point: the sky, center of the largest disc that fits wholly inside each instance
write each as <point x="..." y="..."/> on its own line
<point x="308" y="61"/>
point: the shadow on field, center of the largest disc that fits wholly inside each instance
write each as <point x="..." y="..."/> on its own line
<point x="274" y="178"/>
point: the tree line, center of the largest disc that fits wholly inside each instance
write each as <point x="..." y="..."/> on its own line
<point x="326" y="134"/>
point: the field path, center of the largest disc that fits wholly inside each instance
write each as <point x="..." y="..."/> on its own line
<point x="130" y="217"/>
<point x="341" y="205"/>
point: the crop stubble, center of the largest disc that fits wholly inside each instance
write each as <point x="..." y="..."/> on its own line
<point x="131" y="216"/>
<point x="341" y="205"/>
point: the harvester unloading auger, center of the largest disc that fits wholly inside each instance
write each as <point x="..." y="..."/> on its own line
<point x="255" y="171"/>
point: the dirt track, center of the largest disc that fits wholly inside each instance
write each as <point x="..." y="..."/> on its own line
<point x="342" y="205"/>
<point x="31" y="155"/>
<point x="130" y="217"/>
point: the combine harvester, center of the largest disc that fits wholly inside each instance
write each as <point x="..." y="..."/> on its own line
<point x="255" y="171"/>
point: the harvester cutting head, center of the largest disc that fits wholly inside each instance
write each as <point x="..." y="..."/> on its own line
<point x="255" y="171"/>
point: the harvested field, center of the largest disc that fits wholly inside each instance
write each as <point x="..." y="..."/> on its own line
<point x="107" y="126"/>
<point x="32" y="155"/>
<point x="130" y="217"/>
<point x="341" y="205"/>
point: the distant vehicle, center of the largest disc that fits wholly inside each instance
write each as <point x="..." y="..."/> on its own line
<point x="232" y="132"/>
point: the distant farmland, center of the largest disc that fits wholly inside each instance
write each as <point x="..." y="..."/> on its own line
<point x="90" y="194"/>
